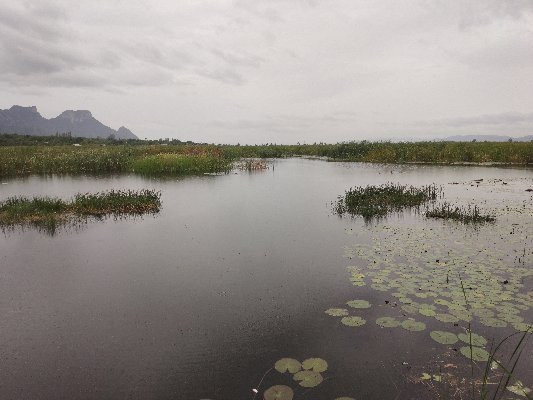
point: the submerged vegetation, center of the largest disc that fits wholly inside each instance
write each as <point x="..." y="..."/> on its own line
<point x="47" y="213"/>
<point x="378" y="201"/>
<point x="463" y="214"/>
<point x="21" y="155"/>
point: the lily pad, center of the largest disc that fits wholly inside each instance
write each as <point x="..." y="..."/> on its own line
<point x="493" y="322"/>
<point x="413" y="326"/>
<point x="409" y="309"/>
<point x="446" y="318"/>
<point x="287" y="364"/>
<point x="278" y="392"/>
<point x="308" y="378"/>
<point x="476" y="353"/>
<point x="358" y="304"/>
<point x="427" y="312"/>
<point x="477" y="340"/>
<point x="519" y="389"/>
<point x="337" y="312"/>
<point x="353" y="321"/>
<point x="388" y="322"/>
<point x="425" y="376"/>
<point x="315" y="364"/>
<point x="444" y="337"/>
<point x="523" y="327"/>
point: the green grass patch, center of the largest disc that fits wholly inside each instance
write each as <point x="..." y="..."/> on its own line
<point x="469" y="214"/>
<point x="378" y="201"/>
<point x="46" y="212"/>
<point x="180" y="164"/>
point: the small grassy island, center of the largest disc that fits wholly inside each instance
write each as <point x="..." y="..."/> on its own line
<point x="47" y="213"/>
<point x="466" y="215"/>
<point x="378" y="201"/>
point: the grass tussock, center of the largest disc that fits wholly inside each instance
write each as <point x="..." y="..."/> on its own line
<point x="378" y="201"/>
<point x="466" y="215"/>
<point x="252" y="165"/>
<point x="48" y="212"/>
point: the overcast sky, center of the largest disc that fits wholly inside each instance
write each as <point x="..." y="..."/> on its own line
<point x="257" y="71"/>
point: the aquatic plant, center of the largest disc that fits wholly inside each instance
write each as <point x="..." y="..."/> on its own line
<point x="252" y="165"/>
<point x="95" y="159"/>
<point x="444" y="337"/>
<point x="377" y="201"/>
<point x="21" y="155"/>
<point x="287" y="365"/>
<point x="278" y="392"/>
<point x="353" y="321"/>
<point x="470" y="214"/>
<point x="48" y="212"/>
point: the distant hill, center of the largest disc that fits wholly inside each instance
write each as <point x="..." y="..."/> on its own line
<point x="487" y="138"/>
<point x="81" y="123"/>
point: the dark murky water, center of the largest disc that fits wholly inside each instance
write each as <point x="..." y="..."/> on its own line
<point x="199" y="301"/>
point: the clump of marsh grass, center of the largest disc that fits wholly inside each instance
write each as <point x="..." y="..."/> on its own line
<point x="466" y="215"/>
<point x="252" y="165"/>
<point x="378" y="201"/>
<point x="48" y="213"/>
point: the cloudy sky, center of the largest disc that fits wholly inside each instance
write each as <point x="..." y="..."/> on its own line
<point x="257" y="71"/>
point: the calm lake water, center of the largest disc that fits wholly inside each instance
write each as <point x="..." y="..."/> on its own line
<point x="235" y="273"/>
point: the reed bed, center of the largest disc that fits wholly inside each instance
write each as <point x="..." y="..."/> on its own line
<point x="467" y="215"/>
<point x="135" y="157"/>
<point x="48" y="212"/>
<point x="377" y="201"/>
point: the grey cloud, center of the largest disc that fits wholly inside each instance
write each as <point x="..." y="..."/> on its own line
<point x="286" y="123"/>
<point x="503" y="119"/>
<point x="477" y="13"/>
<point x="310" y="70"/>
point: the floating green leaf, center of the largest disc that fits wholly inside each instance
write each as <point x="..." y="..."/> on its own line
<point x="353" y="321"/>
<point x="316" y="364"/>
<point x="519" y="389"/>
<point x="337" y="312"/>
<point x="444" y="337"/>
<point x="388" y="322"/>
<point x="510" y="318"/>
<point x="412" y="325"/>
<point x="477" y="340"/>
<point x="287" y="364"/>
<point x="409" y="309"/>
<point x="494" y="322"/>
<point x="446" y="318"/>
<point x="278" y="392"/>
<point x="358" y="304"/>
<point x="475" y="353"/>
<point x="427" y="312"/>
<point x="308" y="378"/>
<point x="425" y="376"/>
<point x="523" y="327"/>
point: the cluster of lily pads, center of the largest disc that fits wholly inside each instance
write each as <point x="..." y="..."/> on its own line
<point x="307" y="373"/>
<point x="424" y="274"/>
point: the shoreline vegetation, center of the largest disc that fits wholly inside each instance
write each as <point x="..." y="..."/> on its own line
<point x="48" y="213"/>
<point x="27" y="155"/>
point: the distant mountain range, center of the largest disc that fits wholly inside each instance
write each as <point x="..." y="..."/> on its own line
<point x="80" y="123"/>
<point x="487" y="138"/>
